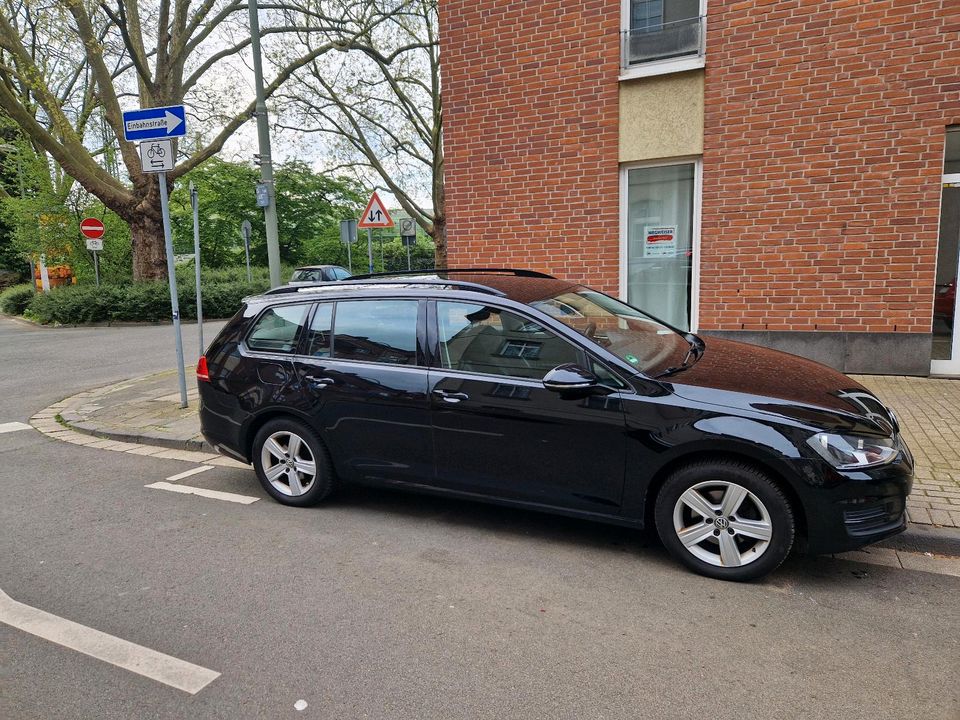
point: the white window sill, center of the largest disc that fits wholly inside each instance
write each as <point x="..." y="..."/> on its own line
<point x="663" y="67"/>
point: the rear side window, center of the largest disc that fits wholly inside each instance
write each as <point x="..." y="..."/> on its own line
<point x="278" y="329"/>
<point x="383" y="331"/>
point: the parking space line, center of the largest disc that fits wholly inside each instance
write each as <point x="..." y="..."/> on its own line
<point x="188" y="473"/>
<point x="14" y="427"/>
<point x="202" y="492"/>
<point x="141" y="660"/>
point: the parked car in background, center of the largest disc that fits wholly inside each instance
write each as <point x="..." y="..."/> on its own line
<point x="944" y="302"/>
<point x="516" y="388"/>
<point x="318" y="273"/>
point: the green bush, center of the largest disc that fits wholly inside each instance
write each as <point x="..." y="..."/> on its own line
<point x="14" y="300"/>
<point x="144" y="302"/>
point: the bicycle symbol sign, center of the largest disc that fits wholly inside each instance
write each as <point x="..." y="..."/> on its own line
<point x="156" y="156"/>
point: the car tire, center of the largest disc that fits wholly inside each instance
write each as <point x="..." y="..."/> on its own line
<point x="292" y="463"/>
<point x="725" y="519"/>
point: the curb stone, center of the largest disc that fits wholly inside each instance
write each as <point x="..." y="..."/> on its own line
<point x="54" y="422"/>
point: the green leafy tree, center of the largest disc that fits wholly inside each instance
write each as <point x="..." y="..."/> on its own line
<point x="65" y="64"/>
<point x="310" y="207"/>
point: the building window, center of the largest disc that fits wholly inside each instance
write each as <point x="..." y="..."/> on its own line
<point x="662" y="31"/>
<point x="661" y="232"/>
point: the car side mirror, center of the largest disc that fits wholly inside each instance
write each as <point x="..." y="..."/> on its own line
<point x="570" y="377"/>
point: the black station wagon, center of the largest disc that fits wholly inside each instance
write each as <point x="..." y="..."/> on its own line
<point x="514" y="387"/>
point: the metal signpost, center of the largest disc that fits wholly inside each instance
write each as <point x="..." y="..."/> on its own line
<point x="152" y="127"/>
<point x="195" y="203"/>
<point x="374" y="216"/>
<point x="348" y="236"/>
<point x="245" y="230"/>
<point x="92" y="229"/>
<point x="408" y="236"/>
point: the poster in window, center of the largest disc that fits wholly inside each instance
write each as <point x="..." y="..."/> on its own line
<point x="659" y="240"/>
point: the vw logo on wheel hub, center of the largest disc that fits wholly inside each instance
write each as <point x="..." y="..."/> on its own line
<point x="721" y="523"/>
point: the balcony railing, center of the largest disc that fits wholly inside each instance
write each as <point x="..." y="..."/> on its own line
<point x="680" y="38"/>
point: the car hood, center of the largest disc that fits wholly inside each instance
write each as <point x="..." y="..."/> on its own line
<point x="739" y="375"/>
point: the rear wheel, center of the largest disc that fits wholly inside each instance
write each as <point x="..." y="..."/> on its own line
<point x="292" y="464"/>
<point x="725" y="520"/>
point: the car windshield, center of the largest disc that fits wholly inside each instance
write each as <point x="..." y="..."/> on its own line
<point x="307" y="276"/>
<point x="645" y="343"/>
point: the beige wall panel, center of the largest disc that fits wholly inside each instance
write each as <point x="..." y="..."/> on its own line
<point x="661" y="116"/>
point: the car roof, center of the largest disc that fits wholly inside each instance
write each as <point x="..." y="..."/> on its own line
<point x="314" y="267"/>
<point x="523" y="286"/>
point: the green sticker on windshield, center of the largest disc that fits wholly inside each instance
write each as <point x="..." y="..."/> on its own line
<point x="632" y="359"/>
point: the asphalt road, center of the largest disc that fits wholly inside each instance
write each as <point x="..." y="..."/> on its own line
<point x="389" y="605"/>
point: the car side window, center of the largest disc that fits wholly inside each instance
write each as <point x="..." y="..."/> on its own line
<point x="341" y="274"/>
<point x="489" y="340"/>
<point x="383" y="331"/>
<point x="319" y="335"/>
<point x="278" y="329"/>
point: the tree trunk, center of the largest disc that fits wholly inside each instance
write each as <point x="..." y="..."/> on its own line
<point x="149" y="251"/>
<point x="440" y="242"/>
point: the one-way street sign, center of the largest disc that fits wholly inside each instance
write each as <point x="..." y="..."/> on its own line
<point x="155" y="123"/>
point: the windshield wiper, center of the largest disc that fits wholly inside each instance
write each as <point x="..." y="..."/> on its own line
<point x="694" y="353"/>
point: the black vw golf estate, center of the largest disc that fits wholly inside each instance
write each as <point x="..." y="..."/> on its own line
<point x="514" y="387"/>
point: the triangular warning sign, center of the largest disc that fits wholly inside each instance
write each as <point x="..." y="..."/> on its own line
<point x="376" y="215"/>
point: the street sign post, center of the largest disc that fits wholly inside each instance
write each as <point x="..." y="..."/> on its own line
<point x="195" y="203"/>
<point x="155" y="123"/>
<point x="408" y="236"/>
<point x="348" y="236"/>
<point x="156" y="156"/>
<point x="92" y="229"/>
<point x="374" y="216"/>
<point x="245" y="230"/>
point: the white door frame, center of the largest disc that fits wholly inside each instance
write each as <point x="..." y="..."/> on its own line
<point x="697" y="162"/>
<point x="951" y="366"/>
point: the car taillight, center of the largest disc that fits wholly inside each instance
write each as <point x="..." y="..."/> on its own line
<point x="202" y="372"/>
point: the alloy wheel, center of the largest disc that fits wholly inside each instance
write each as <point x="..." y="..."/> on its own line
<point x="288" y="464"/>
<point x="722" y="523"/>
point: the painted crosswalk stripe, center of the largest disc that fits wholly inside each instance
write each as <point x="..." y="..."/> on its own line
<point x="116" y="651"/>
<point x="13" y="427"/>
<point x="203" y="492"/>
<point x="188" y="473"/>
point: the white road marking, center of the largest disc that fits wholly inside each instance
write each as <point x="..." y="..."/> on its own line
<point x="116" y="651"/>
<point x="215" y="494"/>
<point x="188" y="473"/>
<point x="13" y="427"/>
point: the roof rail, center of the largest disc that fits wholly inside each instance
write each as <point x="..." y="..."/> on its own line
<point x="519" y="272"/>
<point x="385" y="280"/>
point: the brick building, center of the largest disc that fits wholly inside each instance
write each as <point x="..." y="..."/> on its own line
<point x="784" y="172"/>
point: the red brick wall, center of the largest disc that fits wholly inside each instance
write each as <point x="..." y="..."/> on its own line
<point x="530" y="135"/>
<point x="823" y="153"/>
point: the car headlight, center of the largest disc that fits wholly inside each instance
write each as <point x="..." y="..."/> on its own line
<point x="849" y="452"/>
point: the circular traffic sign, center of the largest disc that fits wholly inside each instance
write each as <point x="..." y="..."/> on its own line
<point x="92" y="228"/>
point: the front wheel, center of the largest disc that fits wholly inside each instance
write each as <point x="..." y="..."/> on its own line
<point x="725" y="519"/>
<point x="292" y="464"/>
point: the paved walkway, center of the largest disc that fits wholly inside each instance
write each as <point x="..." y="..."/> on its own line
<point x="147" y="411"/>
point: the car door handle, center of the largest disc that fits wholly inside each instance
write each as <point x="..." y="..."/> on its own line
<point x="321" y="382"/>
<point x="450" y="396"/>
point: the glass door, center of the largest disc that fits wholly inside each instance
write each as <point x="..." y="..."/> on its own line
<point x="945" y="357"/>
<point x="661" y="228"/>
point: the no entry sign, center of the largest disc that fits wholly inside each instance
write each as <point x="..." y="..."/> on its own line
<point x="92" y="228"/>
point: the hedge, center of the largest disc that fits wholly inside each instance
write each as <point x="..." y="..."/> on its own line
<point x="14" y="300"/>
<point x="139" y="302"/>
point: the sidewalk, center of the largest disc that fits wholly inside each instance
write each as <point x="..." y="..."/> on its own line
<point x="147" y="411"/>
